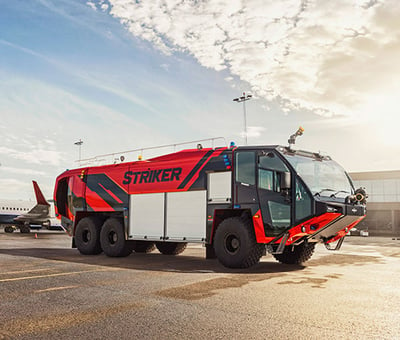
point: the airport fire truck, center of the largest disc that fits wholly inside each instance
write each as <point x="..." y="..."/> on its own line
<point x="240" y="202"/>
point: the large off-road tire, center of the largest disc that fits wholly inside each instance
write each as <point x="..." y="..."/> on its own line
<point x="171" y="248"/>
<point x="143" y="246"/>
<point x="112" y="238"/>
<point x="296" y="254"/>
<point x="235" y="243"/>
<point x="9" y="229"/>
<point x="87" y="236"/>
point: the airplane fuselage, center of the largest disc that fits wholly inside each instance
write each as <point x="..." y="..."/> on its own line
<point x="23" y="214"/>
<point x="11" y="209"/>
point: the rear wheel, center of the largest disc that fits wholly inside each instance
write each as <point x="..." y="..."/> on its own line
<point x="87" y="236"/>
<point x="296" y="254"/>
<point x="112" y="238"/>
<point x="171" y="248"/>
<point x="235" y="244"/>
<point x="143" y="246"/>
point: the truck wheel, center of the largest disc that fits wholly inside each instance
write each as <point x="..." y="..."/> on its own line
<point x="235" y="244"/>
<point x="171" y="248"/>
<point x="296" y="254"/>
<point x="112" y="238"/>
<point x="143" y="246"/>
<point x="87" y="236"/>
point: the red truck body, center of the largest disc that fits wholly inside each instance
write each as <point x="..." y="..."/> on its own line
<point x="239" y="202"/>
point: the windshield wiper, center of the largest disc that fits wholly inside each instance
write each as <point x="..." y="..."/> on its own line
<point x="338" y="192"/>
<point x="332" y="195"/>
<point x="321" y="191"/>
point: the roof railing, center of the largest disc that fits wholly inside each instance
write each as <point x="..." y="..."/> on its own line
<point x="121" y="156"/>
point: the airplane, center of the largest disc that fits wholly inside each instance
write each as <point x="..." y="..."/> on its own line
<point x="11" y="213"/>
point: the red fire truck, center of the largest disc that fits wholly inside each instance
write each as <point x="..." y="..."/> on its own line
<point x="240" y="202"/>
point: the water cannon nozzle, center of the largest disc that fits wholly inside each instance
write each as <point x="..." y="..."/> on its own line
<point x="292" y="138"/>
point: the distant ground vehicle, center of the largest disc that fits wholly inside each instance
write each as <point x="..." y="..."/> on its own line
<point x="239" y="202"/>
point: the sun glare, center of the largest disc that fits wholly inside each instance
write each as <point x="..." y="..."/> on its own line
<point x="382" y="116"/>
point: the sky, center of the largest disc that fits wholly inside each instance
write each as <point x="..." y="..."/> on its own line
<point x="130" y="74"/>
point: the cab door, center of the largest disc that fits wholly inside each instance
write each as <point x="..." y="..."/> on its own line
<point x="245" y="192"/>
<point x="76" y="192"/>
<point x="275" y="202"/>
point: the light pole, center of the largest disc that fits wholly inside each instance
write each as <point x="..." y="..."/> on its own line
<point x="79" y="143"/>
<point x="240" y="100"/>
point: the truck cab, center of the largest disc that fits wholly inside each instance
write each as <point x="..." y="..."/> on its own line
<point x="295" y="188"/>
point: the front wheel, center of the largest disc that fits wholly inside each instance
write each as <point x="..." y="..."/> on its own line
<point x="112" y="238"/>
<point x="296" y="254"/>
<point x="235" y="244"/>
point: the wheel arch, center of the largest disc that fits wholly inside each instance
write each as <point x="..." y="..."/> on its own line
<point x="222" y="214"/>
<point x="101" y="217"/>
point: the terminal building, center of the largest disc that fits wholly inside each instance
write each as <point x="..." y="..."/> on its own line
<point x="383" y="204"/>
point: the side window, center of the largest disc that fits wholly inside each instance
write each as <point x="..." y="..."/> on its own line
<point x="280" y="214"/>
<point x="302" y="201"/>
<point x="269" y="173"/>
<point x="272" y="162"/>
<point x="266" y="179"/>
<point x="245" y="167"/>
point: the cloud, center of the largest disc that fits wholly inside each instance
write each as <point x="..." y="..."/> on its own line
<point x="9" y="186"/>
<point x="91" y="78"/>
<point x="253" y="132"/>
<point x="38" y="156"/>
<point x="331" y="57"/>
<point x="21" y="171"/>
<point x="91" y="5"/>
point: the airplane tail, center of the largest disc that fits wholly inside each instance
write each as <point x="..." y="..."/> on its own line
<point x="39" y="196"/>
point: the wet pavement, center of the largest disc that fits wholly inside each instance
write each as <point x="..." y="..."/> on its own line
<point x="48" y="290"/>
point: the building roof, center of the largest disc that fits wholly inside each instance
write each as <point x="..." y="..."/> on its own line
<point x="368" y="175"/>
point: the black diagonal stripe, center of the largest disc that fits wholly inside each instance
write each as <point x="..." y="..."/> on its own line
<point x="195" y="169"/>
<point x="97" y="182"/>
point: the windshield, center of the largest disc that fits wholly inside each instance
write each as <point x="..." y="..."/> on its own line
<point x="323" y="177"/>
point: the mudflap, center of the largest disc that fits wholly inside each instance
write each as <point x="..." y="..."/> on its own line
<point x="210" y="252"/>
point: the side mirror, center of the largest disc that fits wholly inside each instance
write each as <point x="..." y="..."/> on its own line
<point x="285" y="181"/>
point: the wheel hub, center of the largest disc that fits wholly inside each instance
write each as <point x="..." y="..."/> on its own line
<point x="86" y="236"/>
<point x="113" y="237"/>
<point x="232" y="244"/>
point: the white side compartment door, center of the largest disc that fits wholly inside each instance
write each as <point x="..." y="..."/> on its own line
<point x="186" y="216"/>
<point x="146" y="216"/>
<point x="220" y="187"/>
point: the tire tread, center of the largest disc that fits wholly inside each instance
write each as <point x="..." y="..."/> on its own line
<point x="298" y="255"/>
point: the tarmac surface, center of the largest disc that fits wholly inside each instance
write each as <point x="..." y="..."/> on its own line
<point x="49" y="291"/>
